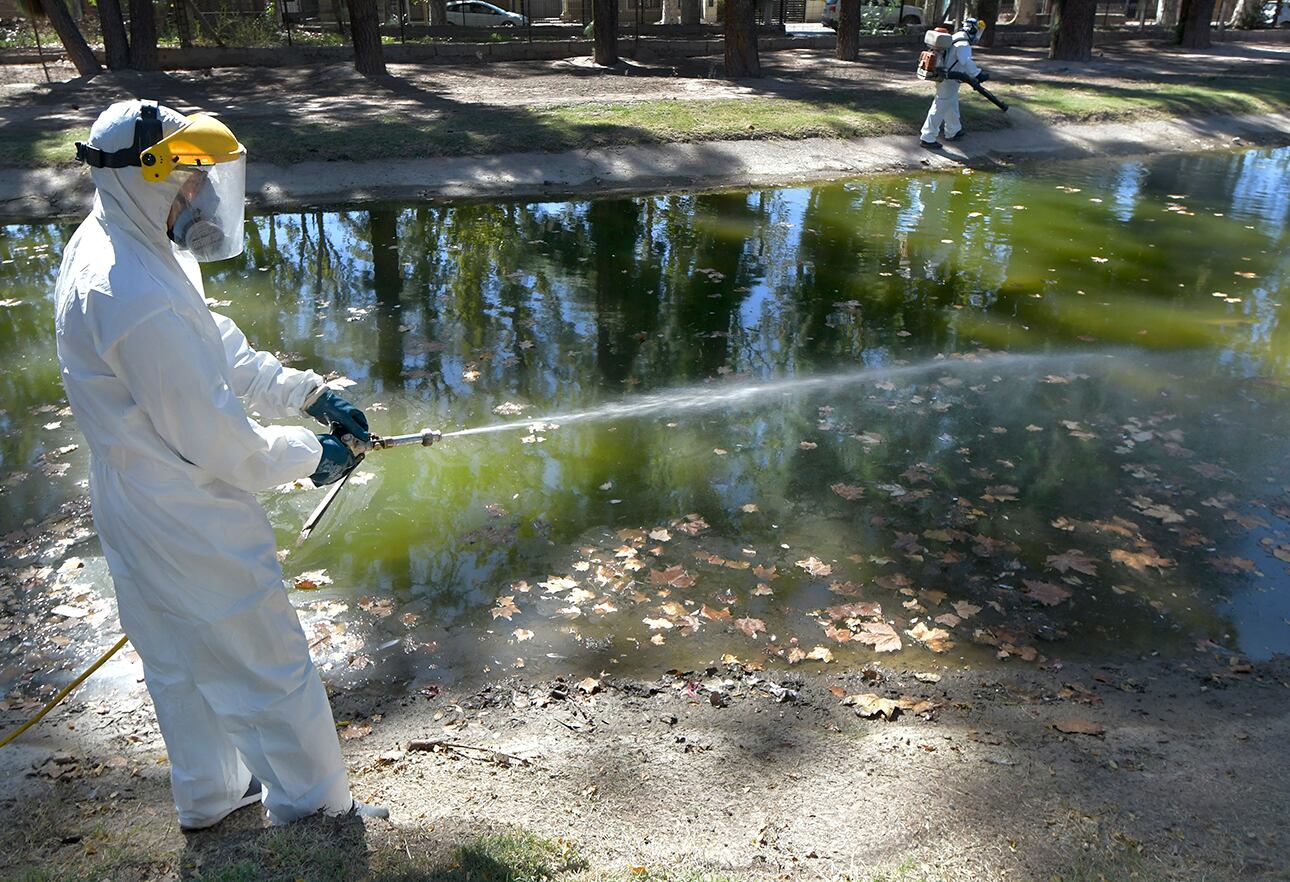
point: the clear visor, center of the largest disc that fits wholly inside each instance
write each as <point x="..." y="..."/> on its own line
<point x="208" y="213"/>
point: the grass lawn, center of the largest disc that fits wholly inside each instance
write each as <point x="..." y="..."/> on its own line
<point x="487" y="130"/>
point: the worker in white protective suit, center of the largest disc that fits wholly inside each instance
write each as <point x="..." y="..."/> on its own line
<point x="161" y="388"/>
<point x="944" y="112"/>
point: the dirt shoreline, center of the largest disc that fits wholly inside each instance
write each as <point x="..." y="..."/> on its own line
<point x="29" y="195"/>
<point x="1164" y="769"/>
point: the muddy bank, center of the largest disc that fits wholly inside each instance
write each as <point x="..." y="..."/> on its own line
<point x="39" y="194"/>
<point x="1168" y="769"/>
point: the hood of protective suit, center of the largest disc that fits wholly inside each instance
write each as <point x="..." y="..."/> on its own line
<point x="125" y="200"/>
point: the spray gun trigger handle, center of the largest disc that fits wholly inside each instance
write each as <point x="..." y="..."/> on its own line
<point x="356" y="446"/>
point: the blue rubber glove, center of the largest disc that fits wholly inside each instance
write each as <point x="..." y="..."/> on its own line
<point x="331" y="408"/>
<point x="337" y="459"/>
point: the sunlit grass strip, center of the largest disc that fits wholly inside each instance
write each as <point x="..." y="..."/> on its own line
<point x="490" y="130"/>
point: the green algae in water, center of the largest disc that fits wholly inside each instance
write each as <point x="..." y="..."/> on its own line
<point x="1071" y="442"/>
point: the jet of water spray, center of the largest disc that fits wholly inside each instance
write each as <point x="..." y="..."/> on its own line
<point x="717" y="397"/>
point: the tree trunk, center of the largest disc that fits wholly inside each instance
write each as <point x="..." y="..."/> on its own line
<point x="1246" y="14"/>
<point x="438" y="12"/>
<point x="365" y="26"/>
<point x="1167" y="14"/>
<point x="987" y="11"/>
<point x="40" y="50"/>
<point x="605" y="24"/>
<point x="143" y="36"/>
<point x="73" y="41"/>
<point x="848" y="30"/>
<point x="691" y="12"/>
<point x="1193" y="23"/>
<point x="741" y="39"/>
<point x="1072" y="30"/>
<point x="931" y="13"/>
<point x="182" y="24"/>
<point x="115" y="45"/>
<point x="1026" y="13"/>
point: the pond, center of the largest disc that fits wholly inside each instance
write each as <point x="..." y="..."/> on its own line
<point x="955" y="418"/>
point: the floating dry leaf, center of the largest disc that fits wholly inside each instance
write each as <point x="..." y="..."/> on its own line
<point x="1045" y="592"/>
<point x="935" y="639"/>
<point x="312" y="580"/>
<point x="881" y="636"/>
<point x="1073" y="559"/>
<point x="815" y="566"/>
<point x="505" y="607"/>
<point x="821" y="653"/>
<point x="849" y="492"/>
<point x="1140" y="560"/>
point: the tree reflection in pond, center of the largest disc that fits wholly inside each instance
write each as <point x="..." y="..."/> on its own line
<point x="1118" y="490"/>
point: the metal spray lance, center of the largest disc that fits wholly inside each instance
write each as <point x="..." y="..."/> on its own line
<point x="360" y="449"/>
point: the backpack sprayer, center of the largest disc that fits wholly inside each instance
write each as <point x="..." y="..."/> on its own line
<point x="931" y="65"/>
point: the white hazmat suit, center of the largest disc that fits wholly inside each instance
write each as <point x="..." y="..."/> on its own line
<point x="160" y="387"/>
<point x="945" y="106"/>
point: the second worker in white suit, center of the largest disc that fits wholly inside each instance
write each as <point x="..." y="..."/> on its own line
<point x="944" y="112"/>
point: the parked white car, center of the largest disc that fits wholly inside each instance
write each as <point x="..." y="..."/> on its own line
<point x="891" y="12"/>
<point x="476" y="13"/>
<point x="1270" y="11"/>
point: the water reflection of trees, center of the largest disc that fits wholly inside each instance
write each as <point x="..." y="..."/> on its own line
<point x="572" y="303"/>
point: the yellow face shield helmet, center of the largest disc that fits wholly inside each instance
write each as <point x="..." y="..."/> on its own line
<point x="205" y="157"/>
<point x="208" y="213"/>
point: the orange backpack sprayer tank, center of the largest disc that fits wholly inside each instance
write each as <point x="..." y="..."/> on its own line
<point x="931" y="62"/>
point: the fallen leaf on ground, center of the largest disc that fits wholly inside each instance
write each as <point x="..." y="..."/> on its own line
<point x="1078" y="726"/>
<point x="354" y="731"/>
<point x="749" y="627"/>
<point x="870" y="705"/>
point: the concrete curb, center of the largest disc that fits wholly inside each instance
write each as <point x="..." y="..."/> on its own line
<point x="42" y="194"/>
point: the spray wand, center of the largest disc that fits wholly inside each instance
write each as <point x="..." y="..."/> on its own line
<point x="360" y="449"/>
